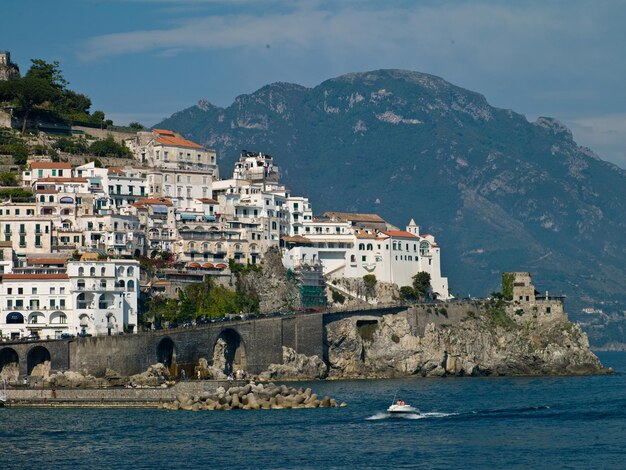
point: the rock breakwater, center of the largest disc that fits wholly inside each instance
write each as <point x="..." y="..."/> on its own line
<point x="252" y="397"/>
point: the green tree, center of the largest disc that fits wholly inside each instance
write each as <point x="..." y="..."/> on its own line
<point x="370" y="284"/>
<point x="136" y="126"/>
<point x="108" y="148"/>
<point x="28" y="93"/>
<point x="8" y="179"/>
<point x="50" y="72"/>
<point x="421" y="284"/>
<point x="407" y="294"/>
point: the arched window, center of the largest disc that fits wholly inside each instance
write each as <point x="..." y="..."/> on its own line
<point x="352" y="259"/>
<point x="103" y="271"/>
<point x="205" y="247"/>
<point x="370" y="247"/>
<point x="130" y="272"/>
<point x="424" y="248"/>
<point x="361" y="246"/>
<point x="81" y="271"/>
<point x="92" y="272"/>
<point x="192" y="246"/>
<point x="120" y="283"/>
<point x="130" y="286"/>
<point x="120" y="271"/>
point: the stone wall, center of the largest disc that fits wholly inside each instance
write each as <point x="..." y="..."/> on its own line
<point x="118" y="136"/>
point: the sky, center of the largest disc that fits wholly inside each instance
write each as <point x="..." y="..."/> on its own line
<point x="143" y="60"/>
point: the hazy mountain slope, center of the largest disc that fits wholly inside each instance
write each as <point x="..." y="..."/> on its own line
<point x="499" y="193"/>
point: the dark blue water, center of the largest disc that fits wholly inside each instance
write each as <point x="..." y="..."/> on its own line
<point x="556" y="422"/>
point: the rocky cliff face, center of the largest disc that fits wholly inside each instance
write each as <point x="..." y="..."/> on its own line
<point x="474" y="342"/>
<point x="272" y="286"/>
<point x="499" y="192"/>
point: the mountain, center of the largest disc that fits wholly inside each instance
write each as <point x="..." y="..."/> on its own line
<point x="500" y="193"/>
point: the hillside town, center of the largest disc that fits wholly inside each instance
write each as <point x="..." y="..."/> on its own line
<point x="73" y="248"/>
<point x="74" y="239"/>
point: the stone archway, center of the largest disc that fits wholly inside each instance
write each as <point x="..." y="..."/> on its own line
<point x="229" y="352"/>
<point x="9" y="364"/>
<point x="38" y="361"/>
<point x="166" y="352"/>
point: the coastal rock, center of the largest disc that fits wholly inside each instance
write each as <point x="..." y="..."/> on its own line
<point x="10" y="372"/>
<point x="152" y="377"/>
<point x="296" y="366"/>
<point x="462" y="342"/>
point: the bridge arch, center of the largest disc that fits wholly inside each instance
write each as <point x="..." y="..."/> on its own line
<point x="9" y="356"/>
<point x="166" y="352"/>
<point x="37" y="355"/>
<point x="229" y="351"/>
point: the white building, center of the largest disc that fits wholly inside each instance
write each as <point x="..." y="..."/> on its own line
<point x="49" y="297"/>
<point x="344" y="250"/>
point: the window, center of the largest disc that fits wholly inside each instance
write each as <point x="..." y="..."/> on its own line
<point x="52" y="290"/>
<point x="364" y="258"/>
<point x="34" y="290"/>
<point x="62" y="291"/>
<point x="62" y="302"/>
<point x="548" y="309"/>
<point x="361" y="246"/>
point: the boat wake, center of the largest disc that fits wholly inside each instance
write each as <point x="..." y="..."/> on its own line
<point x="416" y="415"/>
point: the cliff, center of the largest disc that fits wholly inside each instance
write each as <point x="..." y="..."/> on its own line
<point x="459" y="339"/>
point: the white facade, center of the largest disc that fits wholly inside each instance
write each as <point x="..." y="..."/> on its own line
<point x="91" y="297"/>
<point x="393" y="256"/>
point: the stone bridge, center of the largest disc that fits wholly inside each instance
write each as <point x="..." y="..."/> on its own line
<point x="251" y="344"/>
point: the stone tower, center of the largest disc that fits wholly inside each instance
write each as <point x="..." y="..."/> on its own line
<point x="8" y="70"/>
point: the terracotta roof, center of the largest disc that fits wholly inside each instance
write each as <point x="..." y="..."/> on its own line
<point x="175" y="140"/>
<point x="47" y="191"/>
<point x="43" y="277"/>
<point x="160" y="283"/>
<point x="208" y="200"/>
<point x="46" y="260"/>
<point x="355" y="217"/>
<point x="366" y="235"/>
<point x="118" y="171"/>
<point x="400" y="234"/>
<point x="51" y="165"/>
<point x="62" y="180"/>
<point x="154" y="201"/>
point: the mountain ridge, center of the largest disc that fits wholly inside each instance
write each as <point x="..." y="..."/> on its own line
<point x="500" y="193"/>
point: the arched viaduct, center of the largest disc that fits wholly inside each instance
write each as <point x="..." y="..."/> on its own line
<point x="251" y="344"/>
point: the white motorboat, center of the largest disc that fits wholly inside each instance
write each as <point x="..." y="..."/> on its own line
<point x="400" y="407"/>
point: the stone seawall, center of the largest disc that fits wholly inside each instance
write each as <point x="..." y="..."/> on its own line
<point x="106" y="396"/>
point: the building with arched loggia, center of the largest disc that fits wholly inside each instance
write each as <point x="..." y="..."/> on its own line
<point x="51" y="297"/>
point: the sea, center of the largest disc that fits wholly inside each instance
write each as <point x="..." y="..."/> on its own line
<point x="471" y="422"/>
